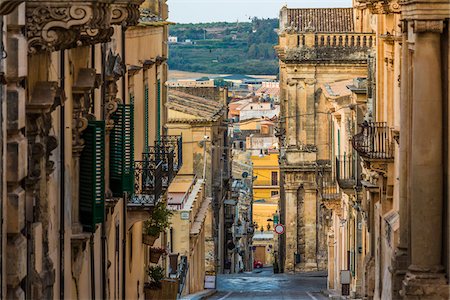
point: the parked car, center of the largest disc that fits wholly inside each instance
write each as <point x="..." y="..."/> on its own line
<point x="257" y="264"/>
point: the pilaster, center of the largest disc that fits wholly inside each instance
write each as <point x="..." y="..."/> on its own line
<point x="426" y="277"/>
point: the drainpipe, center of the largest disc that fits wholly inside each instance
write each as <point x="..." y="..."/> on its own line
<point x="103" y="225"/>
<point x="62" y="189"/>
<point x="124" y="244"/>
<point x="91" y="246"/>
<point x="1" y="171"/>
<point x="125" y="195"/>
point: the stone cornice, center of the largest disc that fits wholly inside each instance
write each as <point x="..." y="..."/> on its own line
<point x="425" y="10"/>
<point x="382" y="6"/>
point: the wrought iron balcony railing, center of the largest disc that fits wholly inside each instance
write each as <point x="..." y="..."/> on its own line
<point x="176" y="143"/>
<point x="165" y="155"/>
<point x="346" y="171"/>
<point x="374" y="141"/>
<point x="147" y="183"/>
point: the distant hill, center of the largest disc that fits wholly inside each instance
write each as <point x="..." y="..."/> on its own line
<point x="225" y="48"/>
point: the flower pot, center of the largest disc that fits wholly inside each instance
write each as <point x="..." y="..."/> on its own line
<point x="154" y="257"/>
<point x="168" y="290"/>
<point x="149" y="239"/>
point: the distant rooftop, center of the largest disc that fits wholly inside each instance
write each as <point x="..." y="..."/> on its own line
<point x="207" y="109"/>
<point x="319" y="19"/>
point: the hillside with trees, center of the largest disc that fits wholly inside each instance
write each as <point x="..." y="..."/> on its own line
<point x="231" y="48"/>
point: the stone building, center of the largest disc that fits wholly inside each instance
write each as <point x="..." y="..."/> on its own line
<point x="388" y="193"/>
<point x="201" y="122"/>
<point x="316" y="46"/>
<point x="78" y="115"/>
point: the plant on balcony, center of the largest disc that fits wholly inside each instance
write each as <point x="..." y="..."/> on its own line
<point x="155" y="275"/>
<point x="155" y="254"/>
<point x="158" y="222"/>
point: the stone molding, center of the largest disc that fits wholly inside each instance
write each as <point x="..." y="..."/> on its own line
<point x="56" y="25"/>
<point x="383" y="6"/>
<point x="423" y="26"/>
<point x="8" y="6"/>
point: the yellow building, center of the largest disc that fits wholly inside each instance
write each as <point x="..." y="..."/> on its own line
<point x="266" y="186"/>
<point x="186" y="199"/>
<point x="266" y="192"/>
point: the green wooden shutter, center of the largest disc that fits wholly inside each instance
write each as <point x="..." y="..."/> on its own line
<point x="92" y="176"/>
<point x="158" y="110"/>
<point x="146" y="117"/>
<point x="121" y="151"/>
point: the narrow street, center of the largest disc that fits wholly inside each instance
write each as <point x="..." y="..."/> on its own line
<point x="263" y="284"/>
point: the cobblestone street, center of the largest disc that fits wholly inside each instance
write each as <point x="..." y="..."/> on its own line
<point x="263" y="284"/>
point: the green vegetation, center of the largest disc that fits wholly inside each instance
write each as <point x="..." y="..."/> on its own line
<point x="231" y="48"/>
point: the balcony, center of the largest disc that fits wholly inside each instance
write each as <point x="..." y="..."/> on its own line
<point x="346" y="172"/>
<point x="165" y="155"/>
<point x="374" y="142"/>
<point x="176" y="143"/>
<point x="327" y="186"/>
<point x="148" y="184"/>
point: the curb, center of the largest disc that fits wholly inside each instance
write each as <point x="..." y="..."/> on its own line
<point x="200" y="295"/>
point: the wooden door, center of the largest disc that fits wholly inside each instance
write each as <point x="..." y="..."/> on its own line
<point x="260" y="254"/>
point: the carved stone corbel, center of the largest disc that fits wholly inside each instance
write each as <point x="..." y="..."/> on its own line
<point x="56" y="25"/>
<point x="115" y="69"/>
<point x="125" y="12"/>
<point x="82" y="90"/>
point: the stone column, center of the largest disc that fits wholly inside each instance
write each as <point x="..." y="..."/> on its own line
<point x="425" y="278"/>
<point x="400" y="259"/>
<point x="309" y="259"/>
<point x="291" y="225"/>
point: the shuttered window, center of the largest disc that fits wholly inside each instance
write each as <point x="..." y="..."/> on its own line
<point x="92" y="176"/>
<point x="122" y="151"/>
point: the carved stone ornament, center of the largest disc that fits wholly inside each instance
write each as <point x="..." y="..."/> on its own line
<point x="82" y="90"/>
<point x="55" y="25"/>
<point x="115" y="69"/>
<point x="46" y="97"/>
<point x="125" y="12"/>
<point x="383" y="6"/>
<point x="7" y="6"/>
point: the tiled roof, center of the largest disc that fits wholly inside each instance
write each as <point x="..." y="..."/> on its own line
<point x="338" y="89"/>
<point x="197" y="106"/>
<point x="321" y="19"/>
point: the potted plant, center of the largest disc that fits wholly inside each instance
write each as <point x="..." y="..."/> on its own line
<point x="155" y="254"/>
<point x="159" y="221"/>
<point x="153" y="288"/>
<point x="155" y="275"/>
<point x="158" y="286"/>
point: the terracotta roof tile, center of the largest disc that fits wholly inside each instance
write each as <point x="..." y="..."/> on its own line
<point x="321" y="19"/>
<point x="194" y="105"/>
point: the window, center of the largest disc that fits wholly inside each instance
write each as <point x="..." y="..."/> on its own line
<point x="274" y="178"/>
<point x="121" y="151"/>
<point x="92" y="176"/>
<point x="273" y="193"/>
